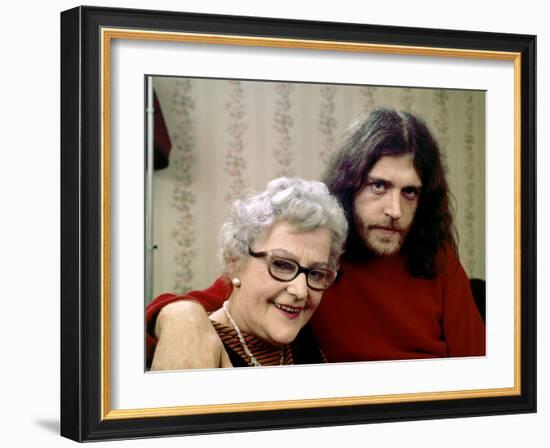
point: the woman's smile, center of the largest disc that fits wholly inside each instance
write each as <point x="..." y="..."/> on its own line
<point x="288" y="311"/>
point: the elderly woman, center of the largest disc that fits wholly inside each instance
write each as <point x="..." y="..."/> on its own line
<point x="280" y="250"/>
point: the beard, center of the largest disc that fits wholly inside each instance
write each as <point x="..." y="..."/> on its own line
<point x="381" y="238"/>
<point x="380" y="243"/>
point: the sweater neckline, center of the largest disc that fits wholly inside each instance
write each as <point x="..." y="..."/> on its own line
<point x="266" y="353"/>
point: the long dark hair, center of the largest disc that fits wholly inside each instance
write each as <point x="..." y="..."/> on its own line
<point x="386" y="132"/>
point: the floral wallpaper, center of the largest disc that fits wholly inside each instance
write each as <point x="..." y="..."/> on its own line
<point x="471" y="145"/>
<point x="182" y="226"/>
<point x="230" y="136"/>
<point x="235" y="163"/>
<point x="328" y="122"/>
<point x="283" y="124"/>
<point x="369" y="94"/>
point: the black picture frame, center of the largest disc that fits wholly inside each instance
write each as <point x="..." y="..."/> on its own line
<point x="85" y="414"/>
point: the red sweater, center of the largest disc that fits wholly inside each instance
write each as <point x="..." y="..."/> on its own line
<point x="378" y="311"/>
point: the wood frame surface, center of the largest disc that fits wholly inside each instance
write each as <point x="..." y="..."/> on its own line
<point x="86" y="34"/>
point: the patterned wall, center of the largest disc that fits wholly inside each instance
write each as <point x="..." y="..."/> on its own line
<point x="230" y="135"/>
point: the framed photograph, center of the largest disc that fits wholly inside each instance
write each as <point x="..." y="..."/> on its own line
<point x="167" y="117"/>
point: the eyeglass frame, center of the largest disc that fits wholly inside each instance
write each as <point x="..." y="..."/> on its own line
<point x="268" y="254"/>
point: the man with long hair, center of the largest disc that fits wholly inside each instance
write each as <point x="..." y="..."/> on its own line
<point x="402" y="292"/>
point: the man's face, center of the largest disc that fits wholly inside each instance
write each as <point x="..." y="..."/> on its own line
<point x="384" y="209"/>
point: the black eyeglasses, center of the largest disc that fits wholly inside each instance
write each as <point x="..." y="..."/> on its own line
<point x="285" y="270"/>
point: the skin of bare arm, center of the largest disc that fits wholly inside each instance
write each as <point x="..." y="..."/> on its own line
<point x="187" y="339"/>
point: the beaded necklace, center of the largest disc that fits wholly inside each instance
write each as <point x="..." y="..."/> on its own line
<point x="247" y="350"/>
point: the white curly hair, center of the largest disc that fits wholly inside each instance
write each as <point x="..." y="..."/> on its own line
<point x="306" y="205"/>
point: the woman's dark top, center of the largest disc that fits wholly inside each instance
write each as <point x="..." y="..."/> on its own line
<point x="303" y="350"/>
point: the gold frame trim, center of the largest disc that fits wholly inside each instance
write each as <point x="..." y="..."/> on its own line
<point x="107" y="35"/>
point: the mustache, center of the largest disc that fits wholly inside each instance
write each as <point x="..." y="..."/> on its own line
<point x="386" y="226"/>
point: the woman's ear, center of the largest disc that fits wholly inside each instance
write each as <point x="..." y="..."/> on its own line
<point x="232" y="266"/>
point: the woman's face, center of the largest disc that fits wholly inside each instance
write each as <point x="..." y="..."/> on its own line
<point x="275" y="310"/>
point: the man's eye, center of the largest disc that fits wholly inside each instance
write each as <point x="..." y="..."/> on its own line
<point x="410" y="193"/>
<point x="378" y="187"/>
